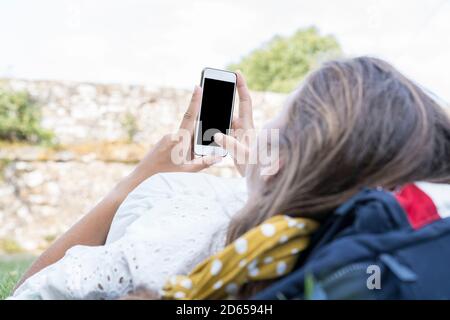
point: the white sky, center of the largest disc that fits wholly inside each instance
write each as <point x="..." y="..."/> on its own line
<point x="168" y="42"/>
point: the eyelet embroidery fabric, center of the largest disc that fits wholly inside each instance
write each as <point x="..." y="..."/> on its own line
<point x="166" y="226"/>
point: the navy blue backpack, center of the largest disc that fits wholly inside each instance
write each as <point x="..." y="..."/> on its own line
<point x="369" y="250"/>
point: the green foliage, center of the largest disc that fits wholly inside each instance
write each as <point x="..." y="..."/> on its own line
<point x="130" y="125"/>
<point x="314" y="289"/>
<point x="11" y="269"/>
<point x="20" y="119"/>
<point x="309" y="286"/>
<point x="280" y="64"/>
<point x="10" y="246"/>
<point x="3" y="164"/>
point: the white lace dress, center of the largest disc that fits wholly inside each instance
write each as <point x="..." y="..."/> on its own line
<point x="166" y="226"/>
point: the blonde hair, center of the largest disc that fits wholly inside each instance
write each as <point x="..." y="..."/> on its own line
<point x="354" y="123"/>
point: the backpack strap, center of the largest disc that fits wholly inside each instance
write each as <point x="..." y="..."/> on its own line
<point x="370" y="211"/>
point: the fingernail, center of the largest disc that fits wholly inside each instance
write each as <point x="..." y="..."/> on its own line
<point x="218" y="136"/>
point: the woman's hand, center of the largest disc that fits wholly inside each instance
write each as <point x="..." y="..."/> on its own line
<point x="93" y="228"/>
<point x="242" y="135"/>
<point x="173" y="153"/>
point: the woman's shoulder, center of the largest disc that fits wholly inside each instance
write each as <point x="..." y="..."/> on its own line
<point x="180" y="199"/>
<point x="195" y="183"/>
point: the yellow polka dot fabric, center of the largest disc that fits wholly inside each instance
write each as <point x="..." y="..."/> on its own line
<point x="265" y="252"/>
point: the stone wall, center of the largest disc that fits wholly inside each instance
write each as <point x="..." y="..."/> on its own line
<point x="102" y="130"/>
<point x="82" y="112"/>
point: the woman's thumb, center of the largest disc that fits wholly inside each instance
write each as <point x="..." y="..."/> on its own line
<point x="230" y="144"/>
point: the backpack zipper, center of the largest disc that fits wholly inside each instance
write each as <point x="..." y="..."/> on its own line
<point x="341" y="273"/>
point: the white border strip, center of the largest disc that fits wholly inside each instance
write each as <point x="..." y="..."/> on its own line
<point x="440" y="194"/>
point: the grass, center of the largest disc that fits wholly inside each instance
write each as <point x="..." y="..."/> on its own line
<point x="11" y="269"/>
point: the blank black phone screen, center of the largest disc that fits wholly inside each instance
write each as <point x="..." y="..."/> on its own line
<point x="215" y="112"/>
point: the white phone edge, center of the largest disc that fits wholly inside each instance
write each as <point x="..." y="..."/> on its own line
<point x="217" y="74"/>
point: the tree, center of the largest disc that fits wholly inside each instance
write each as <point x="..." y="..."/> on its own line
<point x="280" y="64"/>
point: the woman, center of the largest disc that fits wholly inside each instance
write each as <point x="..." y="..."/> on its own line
<point x="352" y="124"/>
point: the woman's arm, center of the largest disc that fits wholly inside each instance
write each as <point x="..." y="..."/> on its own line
<point x="93" y="228"/>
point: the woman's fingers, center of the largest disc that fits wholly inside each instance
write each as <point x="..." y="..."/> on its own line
<point x="236" y="149"/>
<point x="245" y="101"/>
<point x="245" y="105"/>
<point x="236" y="123"/>
<point x="188" y="122"/>
<point x="198" y="164"/>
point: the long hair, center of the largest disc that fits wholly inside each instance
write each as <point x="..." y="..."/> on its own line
<point x="353" y="123"/>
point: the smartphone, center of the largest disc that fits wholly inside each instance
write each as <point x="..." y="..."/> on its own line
<point x="219" y="89"/>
